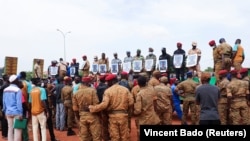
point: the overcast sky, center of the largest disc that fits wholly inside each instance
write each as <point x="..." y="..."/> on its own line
<point x="28" y="28"/>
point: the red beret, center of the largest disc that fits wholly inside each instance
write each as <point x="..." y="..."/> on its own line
<point x="124" y="73"/>
<point x="86" y="79"/>
<point x="211" y="43"/>
<point x="102" y="77"/>
<point x="66" y="78"/>
<point x="223" y="72"/>
<point x="243" y="70"/>
<point x="179" y="44"/>
<point x="164" y="74"/>
<point x="233" y="71"/>
<point x="74" y="59"/>
<point x="84" y="56"/>
<point x="110" y="77"/>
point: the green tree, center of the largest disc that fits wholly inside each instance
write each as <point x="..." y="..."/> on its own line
<point x="209" y="69"/>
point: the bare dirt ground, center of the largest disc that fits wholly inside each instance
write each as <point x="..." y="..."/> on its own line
<point x="62" y="135"/>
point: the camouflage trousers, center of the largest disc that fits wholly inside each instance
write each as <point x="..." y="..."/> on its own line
<point x="227" y="64"/>
<point x="239" y="112"/>
<point x="104" y="123"/>
<point x="90" y="128"/>
<point x="223" y="113"/>
<point x="70" y="114"/>
<point x="118" y="127"/>
<point x="166" y="116"/>
<point x="217" y="68"/>
<point x="190" y="104"/>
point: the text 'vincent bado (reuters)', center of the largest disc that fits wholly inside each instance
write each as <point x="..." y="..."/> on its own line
<point x="161" y="132"/>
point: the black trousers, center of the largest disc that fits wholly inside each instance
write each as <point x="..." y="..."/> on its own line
<point x="180" y="74"/>
<point x="209" y="122"/>
<point x="50" y="126"/>
<point x="4" y="126"/>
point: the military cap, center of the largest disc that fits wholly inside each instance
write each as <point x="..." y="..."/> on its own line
<point x="211" y="43"/>
<point x="164" y="74"/>
<point x="150" y="49"/>
<point x="110" y="77"/>
<point x="156" y="72"/>
<point x="164" y="79"/>
<point x="233" y="71"/>
<point x="223" y="72"/>
<point x="102" y="77"/>
<point x="124" y="73"/>
<point x="222" y="40"/>
<point x="243" y="70"/>
<point x="194" y="44"/>
<point x="86" y="79"/>
<point x="179" y="44"/>
<point x="138" y="50"/>
<point x="67" y="78"/>
<point x="190" y="73"/>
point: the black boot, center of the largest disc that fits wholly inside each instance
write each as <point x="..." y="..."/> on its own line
<point x="70" y="132"/>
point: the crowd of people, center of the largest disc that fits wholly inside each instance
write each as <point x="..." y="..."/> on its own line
<point x="102" y="101"/>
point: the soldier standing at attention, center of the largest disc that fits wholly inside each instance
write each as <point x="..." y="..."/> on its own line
<point x="246" y="81"/>
<point x="166" y="56"/>
<point x="217" y="59"/>
<point x="66" y="96"/>
<point x="90" y="126"/>
<point x="144" y="105"/>
<point x="116" y="100"/>
<point x="195" y="50"/>
<point x="164" y="95"/>
<point x="236" y="94"/>
<point x="188" y="87"/>
<point x="226" y="52"/>
<point x="223" y="107"/>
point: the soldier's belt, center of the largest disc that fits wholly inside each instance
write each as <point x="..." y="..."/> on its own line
<point x="239" y="96"/>
<point x="118" y="112"/>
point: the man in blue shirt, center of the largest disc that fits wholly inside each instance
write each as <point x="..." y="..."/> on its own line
<point x="176" y="99"/>
<point x="12" y="107"/>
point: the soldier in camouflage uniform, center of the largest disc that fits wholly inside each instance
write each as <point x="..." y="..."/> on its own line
<point x="188" y="87"/>
<point x="236" y="94"/>
<point x="225" y="51"/>
<point x="90" y="126"/>
<point x="154" y="80"/>
<point x="217" y="59"/>
<point x="66" y="96"/>
<point x="117" y="100"/>
<point x="144" y="105"/>
<point x="223" y="107"/>
<point x="152" y="56"/>
<point x="246" y="81"/>
<point x="164" y="96"/>
<point x="138" y="56"/>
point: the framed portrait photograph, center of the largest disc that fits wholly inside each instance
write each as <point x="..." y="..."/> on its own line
<point x="53" y="70"/>
<point x="126" y="67"/>
<point x="102" y="69"/>
<point x="163" y="65"/>
<point x="177" y="61"/>
<point x="72" y="71"/>
<point x="114" y="68"/>
<point x="149" y="64"/>
<point x="192" y="60"/>
<point x="95" y="68"/>
<point x="137" y="65"/>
